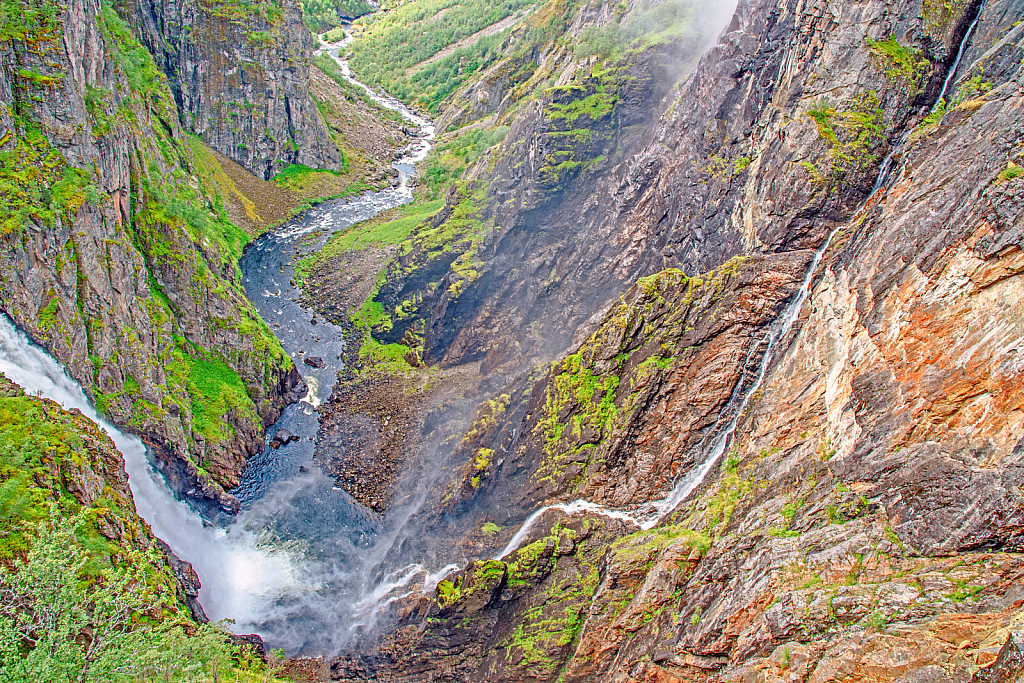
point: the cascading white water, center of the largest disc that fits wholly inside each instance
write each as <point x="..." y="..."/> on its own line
<point x="427" y="133"/>
<point x="960" y="53"/>
<point x="573" y="508"/>
<point x="890" y="159"/>
<point x="649" y="515"/>
<point x="236" y="574"/>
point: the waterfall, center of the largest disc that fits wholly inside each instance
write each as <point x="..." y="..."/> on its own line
<point x="236" y="574"/>
<point x="652" y="513"/>
<point x="960" y="53"/>
<point x="886" y="168"/>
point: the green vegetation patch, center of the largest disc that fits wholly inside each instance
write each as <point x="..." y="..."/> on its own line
<point x="940" y="15"/>
<point x="897" y="61"/>
<point x="30" y="20"/>
<point x="216" y="392"/>
<point x="353" y="93"/>
<point x="381" y="231"/>
<point x="851" y="134"/>
<point x="36" y="184"/>
<point x="664" y="22"/>
<point x="320" y="15"/>
<point x="412" y="32"/>
<point x="120" y="625"/>
<point x="457" y="152"/>
<point x="1011" y="172"/>
<point x="246" y="11"/>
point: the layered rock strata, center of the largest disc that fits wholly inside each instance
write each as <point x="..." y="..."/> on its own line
<point x="240" y="75"/>
<point x="864" y="521"/>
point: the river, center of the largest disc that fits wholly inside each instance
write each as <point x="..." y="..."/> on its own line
<point x="302" y="564"/>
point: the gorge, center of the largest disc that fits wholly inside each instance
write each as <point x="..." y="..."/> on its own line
<point x="656" y="340"/>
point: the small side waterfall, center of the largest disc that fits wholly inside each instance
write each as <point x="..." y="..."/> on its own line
<point x="649" y="515"/>
<point x="887" y="164"/>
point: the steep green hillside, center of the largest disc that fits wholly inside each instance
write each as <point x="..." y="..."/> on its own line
<point x="86" y="594"/>
<point x="394" y="47"/>
<point x="321" y="15"/>
<point x="118" y="258"/>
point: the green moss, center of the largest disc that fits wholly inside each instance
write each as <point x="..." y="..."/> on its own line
<point x="593" y="107"/>
<point x="448" y="593"/>
<point x="851" y="134"/>
<point x="929" y="123"/>
<point x="576" y="398"/>
<point x="647" y="544"/>
<point x="385" y="357"/>
<point x="1011" y="172"/>
<point x="490" y="529"/>
<point x="455" y="153"/>
<point x="973" y="88"/>
<point x="897" y="61"/>
<point x="376" y="232"/>
<point x="939" y="15"/>
<point x="36" y="184"/>
<point x="298" y="178"/>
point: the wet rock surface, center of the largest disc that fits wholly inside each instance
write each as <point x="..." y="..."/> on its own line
<point x="241" y="79"/>
<point x="863" y="522"/>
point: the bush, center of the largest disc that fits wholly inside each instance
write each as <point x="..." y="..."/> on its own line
<point x="55" y="627"/>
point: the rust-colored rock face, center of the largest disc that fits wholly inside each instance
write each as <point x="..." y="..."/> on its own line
<point x="866" y="520"/>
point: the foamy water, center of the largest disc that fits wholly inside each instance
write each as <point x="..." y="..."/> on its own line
<point x="240" y="578"/>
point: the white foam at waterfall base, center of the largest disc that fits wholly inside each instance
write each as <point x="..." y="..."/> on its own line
<point x="239" y="577"/>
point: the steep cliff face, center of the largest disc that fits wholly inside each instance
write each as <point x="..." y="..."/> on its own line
<point x="864" y="521"/>
<point x="775" y="139"/>
<point x="573" y="118"/>
<point x="239" y="73"/>
<point x="113" y="256"/>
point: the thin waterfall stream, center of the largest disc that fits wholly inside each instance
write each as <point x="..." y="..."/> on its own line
<point x="649" y="515"/>
<point x="885" y="170"/>
<point x="303" y="564"/>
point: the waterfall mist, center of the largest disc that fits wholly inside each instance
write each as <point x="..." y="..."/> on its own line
<point x="238" y="574"/>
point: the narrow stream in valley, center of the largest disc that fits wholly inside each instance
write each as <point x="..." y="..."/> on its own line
<point x="303" y="564"/>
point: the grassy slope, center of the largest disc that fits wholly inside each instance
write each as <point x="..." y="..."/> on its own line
<point x="413" y="32"/>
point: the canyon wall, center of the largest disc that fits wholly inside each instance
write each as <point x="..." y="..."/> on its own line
<point x="864" y="521"/>
<point x="117" y="259"/>
<point x="240" y="75"/>
<point x="57" y="461"/>
<point x="775" y="138"/>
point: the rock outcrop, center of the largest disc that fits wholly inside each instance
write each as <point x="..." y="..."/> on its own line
<point x="60" y="458"/>
<point x="115" y="258"/>
<point x="239" y="72"/>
